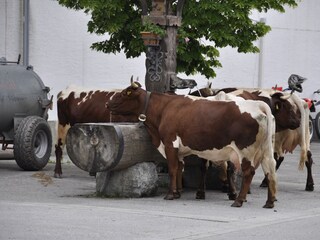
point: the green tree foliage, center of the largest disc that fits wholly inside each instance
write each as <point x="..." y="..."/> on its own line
<point x="207" y="25"/>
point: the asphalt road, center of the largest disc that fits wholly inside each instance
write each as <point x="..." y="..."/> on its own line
<point x="34" y="205"/>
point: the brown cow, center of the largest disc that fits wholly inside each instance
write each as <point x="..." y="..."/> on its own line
<point x="82" y="106"/>
<point x="235" y="129"/>
<point x="282" y="109"/>
<point x="291" y="117"/>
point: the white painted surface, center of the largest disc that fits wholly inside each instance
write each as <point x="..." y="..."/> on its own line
<point x="61" y="55"/>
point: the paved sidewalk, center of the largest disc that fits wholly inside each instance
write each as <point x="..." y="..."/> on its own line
<point x="34" y="205"/>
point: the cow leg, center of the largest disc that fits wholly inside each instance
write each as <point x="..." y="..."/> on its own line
<point x="269" y="169"/>
<point x="248" y="172"/>
<point x="271" y="192"/>
<point x="223" y="176"/>
<point x="309" y="185"/>
<point x="58" y="152"/>
<point x="231" y="181"/>
<point x="200" y="194"/>
<point x="173" y="162"/>
<point x="62" y="133"/>
<point x="179" y="176"/>
<point x="279" y="160"/>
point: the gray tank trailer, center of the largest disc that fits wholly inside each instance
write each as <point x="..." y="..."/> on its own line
<point x="24" y="105"/>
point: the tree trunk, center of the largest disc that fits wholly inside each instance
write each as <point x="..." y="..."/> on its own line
<point x="110" y="147"/>
<point x="161" y="62"/>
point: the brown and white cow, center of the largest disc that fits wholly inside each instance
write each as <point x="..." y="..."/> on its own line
<point x="288" y="136"/>
<point x="287" y="140"/>
<point x="237" y="130"/>
<point x="76" y="105"/>
<point x="282" y="109"/>
<point x="291" y="117"/>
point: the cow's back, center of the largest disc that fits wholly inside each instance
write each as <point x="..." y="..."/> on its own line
<point x="84" y="106"/>
<point x="218" y="129"/>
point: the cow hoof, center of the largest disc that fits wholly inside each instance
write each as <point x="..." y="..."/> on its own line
<point x="232" y="196"/>
<point x="264" y="184"/>
<point x="57" y="175"/>
<point x="268" y="205"/>
<point x="200" y="195"/>
<point x="172" y="195"/>
<point x="169" y="197"/>
<point x="309" y="187"/>
<point x="176" y="195"/>
<point x="180" y="190"/>
<point x="237" y="203"/>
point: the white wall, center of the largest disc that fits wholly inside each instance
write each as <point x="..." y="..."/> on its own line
<point x="292" y="46"/>
<point x="10" y="29"/>
<point x="60" y="50"/>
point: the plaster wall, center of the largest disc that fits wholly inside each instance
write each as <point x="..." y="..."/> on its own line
<point x="60" y="50"/>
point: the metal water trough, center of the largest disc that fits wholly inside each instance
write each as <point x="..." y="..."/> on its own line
<point x="24" y="105"/>
<point x="98" y="147"/>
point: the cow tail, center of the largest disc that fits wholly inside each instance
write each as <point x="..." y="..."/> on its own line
<point x="271" y="125"/>
<point x="303" y="130"/>
<point x="305" y="138"/>
<point x="270" y="165"/>
<point x="271" y="128"/>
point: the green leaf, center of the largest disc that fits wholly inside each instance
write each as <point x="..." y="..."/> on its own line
<point x="207" y="24"/>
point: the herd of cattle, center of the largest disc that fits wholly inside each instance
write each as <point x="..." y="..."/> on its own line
<point x="240" y="128"/>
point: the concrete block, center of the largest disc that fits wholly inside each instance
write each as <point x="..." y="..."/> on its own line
<point x="139" y="180"/>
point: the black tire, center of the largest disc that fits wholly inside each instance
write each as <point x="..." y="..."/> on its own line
<point x="311" y="127"/>
<point x="32" y="143"/>
<point x="317" y="124"/>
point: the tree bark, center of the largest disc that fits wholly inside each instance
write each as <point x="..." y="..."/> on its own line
<point x="161" y="62"/>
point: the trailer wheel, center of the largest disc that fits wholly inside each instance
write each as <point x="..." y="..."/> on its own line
<point x="317" y="124"/>
<point x="311" y="127"/>
<point x="32" y="143"/>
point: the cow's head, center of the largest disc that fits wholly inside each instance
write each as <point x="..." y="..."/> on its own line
<point x="129" y="102"/>
<point x="286" y="115"/>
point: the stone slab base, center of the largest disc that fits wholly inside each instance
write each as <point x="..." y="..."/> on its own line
<point x="139" y="180"/>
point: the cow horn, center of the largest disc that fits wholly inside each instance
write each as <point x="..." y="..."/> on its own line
<point x="134" y="85"/>
<point x="131" y="79"/>
<point x="285" y="97"/>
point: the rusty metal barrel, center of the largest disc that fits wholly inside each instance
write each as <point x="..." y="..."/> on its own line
<point x="98" y="147"/>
